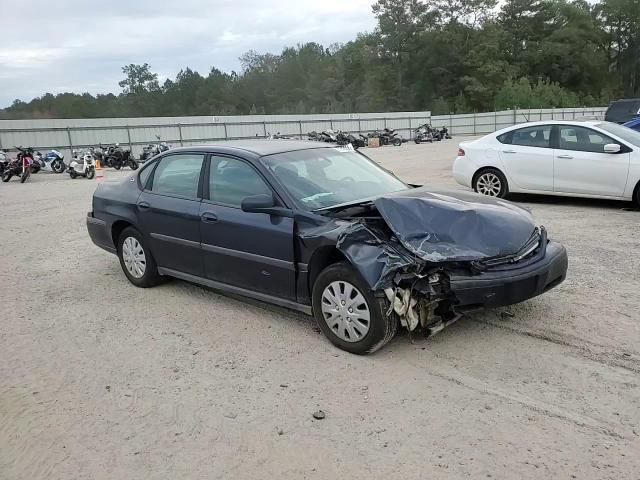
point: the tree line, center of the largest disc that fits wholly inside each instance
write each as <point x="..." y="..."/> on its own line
<point x="447" y="56"/>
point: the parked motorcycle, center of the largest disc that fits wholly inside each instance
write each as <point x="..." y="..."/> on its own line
<point x="423" y="133"/>
<point x="4" y="161"/>
<point x="344" y="138"/>
<point x="117" y="157"/>
<point x="83" y="164"/>
<point x="52" y="161"/>
<point x="20" y="166"/>
<point x="153" y="149"/>
<point x="387" y="136"/>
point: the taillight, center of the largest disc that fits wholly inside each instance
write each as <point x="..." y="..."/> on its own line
<point x="460" y="152"/>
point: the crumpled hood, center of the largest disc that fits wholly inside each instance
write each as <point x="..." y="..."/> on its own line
<point x="439" y="226"/>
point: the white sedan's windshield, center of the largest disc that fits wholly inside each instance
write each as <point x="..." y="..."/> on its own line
<point x="624" y="133"/>
<point x="324" y="177"/>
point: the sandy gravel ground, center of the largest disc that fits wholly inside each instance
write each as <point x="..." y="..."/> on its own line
<point x="99" y="379"/>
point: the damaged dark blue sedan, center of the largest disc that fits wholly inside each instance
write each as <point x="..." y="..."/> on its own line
<point x="326" y="231"/>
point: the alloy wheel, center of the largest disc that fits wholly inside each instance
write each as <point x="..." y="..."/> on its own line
<point x="489" y="184"/>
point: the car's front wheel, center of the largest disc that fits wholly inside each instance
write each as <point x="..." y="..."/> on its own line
<point x="136" y="260"/>
<point x="348" y="313"/>
<point x="491" y="182"/>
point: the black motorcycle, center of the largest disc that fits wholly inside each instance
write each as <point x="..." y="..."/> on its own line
<point x="344" y="138"/>
<point x="387" y="136"/>
<point x="117" y="157"/>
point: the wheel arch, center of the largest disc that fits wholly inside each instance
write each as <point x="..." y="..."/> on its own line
<point x="483" y="169"/>
<point x="116" y="229"/>
<point x="321" y="259"/>
<point x="636" y="194"/>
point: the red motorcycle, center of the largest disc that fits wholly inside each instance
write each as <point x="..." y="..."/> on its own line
<point x="21" y="166"/>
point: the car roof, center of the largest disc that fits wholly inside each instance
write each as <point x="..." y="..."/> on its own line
<point x="259" y="147"/>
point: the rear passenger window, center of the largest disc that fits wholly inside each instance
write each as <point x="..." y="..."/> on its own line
<point x="178" y="175"/>
<point x="231" y="181"/>
<point x="537" y="136"/>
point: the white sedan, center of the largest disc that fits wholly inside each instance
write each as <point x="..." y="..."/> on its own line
<point x="571" y="158"/>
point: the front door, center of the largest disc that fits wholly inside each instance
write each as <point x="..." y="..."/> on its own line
<point x="528" y="158"/>
<point x="253" y="251"/>
<point x="582" y="167"/>
<point x="169" y="212"/>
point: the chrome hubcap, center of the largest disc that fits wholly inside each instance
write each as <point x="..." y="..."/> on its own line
<point x="489" y="184"/>
<point x="133" y="256"/>
<point x="346" y="311"/>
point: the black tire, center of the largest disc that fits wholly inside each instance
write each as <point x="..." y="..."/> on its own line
<point x="133" y="165"/>
<point x="57" y="166"/>
<point x="6" y="176"/>
<point x="381" y="329"/>
<point x="117" y="166"/>
<point x="151" y="277"/>
<point x="417" y="140"/>
<point x="25" y="175"/>
<point x="91" y="172"/>
<point x="397" y="142"/>
<point x="636" y="196"/>
<point x="72" y="174"/>
<point x="503" y="189"/>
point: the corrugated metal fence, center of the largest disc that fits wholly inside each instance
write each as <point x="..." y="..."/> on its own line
<point x="68" y="134"/>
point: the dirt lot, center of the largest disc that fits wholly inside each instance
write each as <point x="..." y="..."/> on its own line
<point x="99" y="379"/>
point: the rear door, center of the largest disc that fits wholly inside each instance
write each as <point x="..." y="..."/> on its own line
<point x="582" y="167"/>
<point x="169" y="212"/>
<point x="527" y="156"/>
<point x="247" y="250"/>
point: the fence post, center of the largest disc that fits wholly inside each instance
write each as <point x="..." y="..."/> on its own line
<point x="129" y="138"/>
<point x="330" y="124"/>
<point x="474" y="122"/>
<point x="359" y="126"/>
<point x="300" y="128"/>
<point x="515" y="115"/>
<point x="495" y="119"/>
<point x="264" y="128"/>
<point x="180" y="134"/>
<point x="70" y="142"/>
<point x="226" y="135"/>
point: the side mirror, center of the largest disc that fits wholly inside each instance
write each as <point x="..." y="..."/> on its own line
<point x="264" y="204"/>
<point x="612" y="148"/>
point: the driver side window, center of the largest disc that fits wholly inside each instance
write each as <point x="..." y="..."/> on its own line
<point x="232" y="180"/>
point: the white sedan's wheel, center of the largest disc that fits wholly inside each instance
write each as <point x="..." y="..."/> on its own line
<point x="489" y="184"/>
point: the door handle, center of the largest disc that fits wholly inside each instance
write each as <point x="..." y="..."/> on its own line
<point x="508" y="151"/>
<point x="209" y="217"/>
<point x="144" y="206"/>
<point x="565" y="156"/>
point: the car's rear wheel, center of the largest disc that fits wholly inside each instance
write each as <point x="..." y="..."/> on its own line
<point x="491" y="182"/>
<point x="636" y="196"/>
<point x="348" y="313"/>
<point x="136" y="260"/>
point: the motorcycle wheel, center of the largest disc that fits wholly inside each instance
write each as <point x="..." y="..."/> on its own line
<point x="91" y="172"/>
<point x="117" y="166"/>
<point x="57" y="166"/>
<point x="133" y="165"/>
<point x="72" y="174"/>
<point x="6" y="176"/>
<point x="25" y="175"/>
<point x="417" y="140"/>
<point x="397" y="142"/>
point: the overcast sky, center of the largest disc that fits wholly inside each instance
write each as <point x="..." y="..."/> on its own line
<point x="80" y="45"/>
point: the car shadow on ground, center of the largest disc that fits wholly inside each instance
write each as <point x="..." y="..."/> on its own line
<point x="572" y="201"/>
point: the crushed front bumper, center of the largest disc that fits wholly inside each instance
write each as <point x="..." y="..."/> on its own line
<point x="495" y="288"/>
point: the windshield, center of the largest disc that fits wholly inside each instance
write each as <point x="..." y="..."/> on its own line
<point x="624" y="133"/>
<point x="324" y="177"/>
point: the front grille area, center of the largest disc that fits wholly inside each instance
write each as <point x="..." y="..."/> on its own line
<point x="528" y="250"/>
